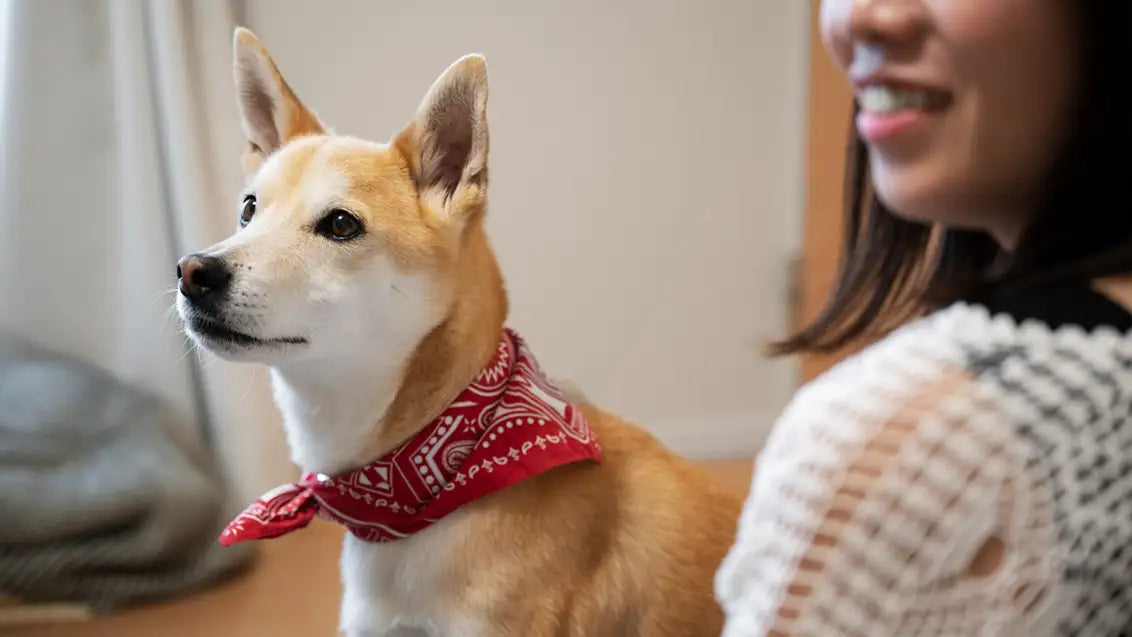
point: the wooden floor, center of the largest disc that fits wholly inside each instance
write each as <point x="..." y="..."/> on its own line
<point x="293" y="590"/>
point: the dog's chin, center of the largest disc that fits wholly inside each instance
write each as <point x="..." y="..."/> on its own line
<point x="217" y="338"/>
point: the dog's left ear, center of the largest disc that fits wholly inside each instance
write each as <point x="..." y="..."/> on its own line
<point x="447" y="142"/>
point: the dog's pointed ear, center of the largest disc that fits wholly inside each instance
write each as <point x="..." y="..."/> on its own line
<point x="270" y="112"/>
<point x="446" y="144"/>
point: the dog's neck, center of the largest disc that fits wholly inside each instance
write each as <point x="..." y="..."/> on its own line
<point x="341" y="416"/>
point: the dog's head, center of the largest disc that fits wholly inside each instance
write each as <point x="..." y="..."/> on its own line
<point x="340" y="241"/>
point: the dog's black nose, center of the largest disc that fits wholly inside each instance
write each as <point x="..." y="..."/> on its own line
<point x="201" y="276"/>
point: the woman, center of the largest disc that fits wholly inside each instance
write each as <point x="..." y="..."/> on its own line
<point x="971" y="473"/>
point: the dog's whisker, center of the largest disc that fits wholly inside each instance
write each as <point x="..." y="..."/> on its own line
<point x="184" y="354"/>
<point x="398" y="291"/>
<point x="164" y="293"/>
<point x="207" y="360"/>
<point x="190" y="347"/>
<point x="251" y="381"/>
<point x="169" y="319"/>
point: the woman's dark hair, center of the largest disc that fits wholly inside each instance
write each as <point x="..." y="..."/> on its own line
<point x="898" y="269"/>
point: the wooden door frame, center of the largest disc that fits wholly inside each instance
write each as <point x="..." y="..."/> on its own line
<point x="830" y="106"/>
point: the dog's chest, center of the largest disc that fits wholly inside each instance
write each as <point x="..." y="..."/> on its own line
<point x="407" y="587"/>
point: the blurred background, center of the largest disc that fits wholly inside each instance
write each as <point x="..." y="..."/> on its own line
<point x="692" y="149"/>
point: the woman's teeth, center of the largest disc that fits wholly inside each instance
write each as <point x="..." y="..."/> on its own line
<point x="887" y="99"/>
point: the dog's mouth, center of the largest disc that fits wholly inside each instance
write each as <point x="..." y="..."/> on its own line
<point x="215" y="330"/>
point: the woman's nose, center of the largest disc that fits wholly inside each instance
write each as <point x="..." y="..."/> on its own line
<point x="894" y="24"/>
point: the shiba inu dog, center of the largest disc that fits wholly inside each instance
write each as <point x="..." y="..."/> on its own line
<point x="481" y="500"/>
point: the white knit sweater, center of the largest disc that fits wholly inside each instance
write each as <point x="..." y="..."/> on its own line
<point x="963" y="433"/>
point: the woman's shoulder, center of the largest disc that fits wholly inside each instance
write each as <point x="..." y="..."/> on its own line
<point x="1057" y="353"/>
<point x="1067" y="329"/>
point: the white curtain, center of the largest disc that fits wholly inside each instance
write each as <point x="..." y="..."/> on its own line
<point x="119" y="153"/>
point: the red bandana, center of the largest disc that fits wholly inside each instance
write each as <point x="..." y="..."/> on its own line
<point x="508" y="425"/>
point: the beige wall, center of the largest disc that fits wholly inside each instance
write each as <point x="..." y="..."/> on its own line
<point x="647" y="179"/>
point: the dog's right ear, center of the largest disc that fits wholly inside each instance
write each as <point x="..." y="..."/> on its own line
<point x="271" y="113"/>
<point x="446" y="143"/>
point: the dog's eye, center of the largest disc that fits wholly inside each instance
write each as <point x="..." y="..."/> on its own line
<point x="248" y="211"/>
<point x="339" y="225"/>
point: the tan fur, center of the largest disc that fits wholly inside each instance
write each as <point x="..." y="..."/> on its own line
<point x="628" y="547"/>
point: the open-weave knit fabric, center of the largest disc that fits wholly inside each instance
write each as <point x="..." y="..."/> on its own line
<point x="969" y="475"/>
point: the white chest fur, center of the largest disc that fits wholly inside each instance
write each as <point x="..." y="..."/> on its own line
<point x="405" y="588"/>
